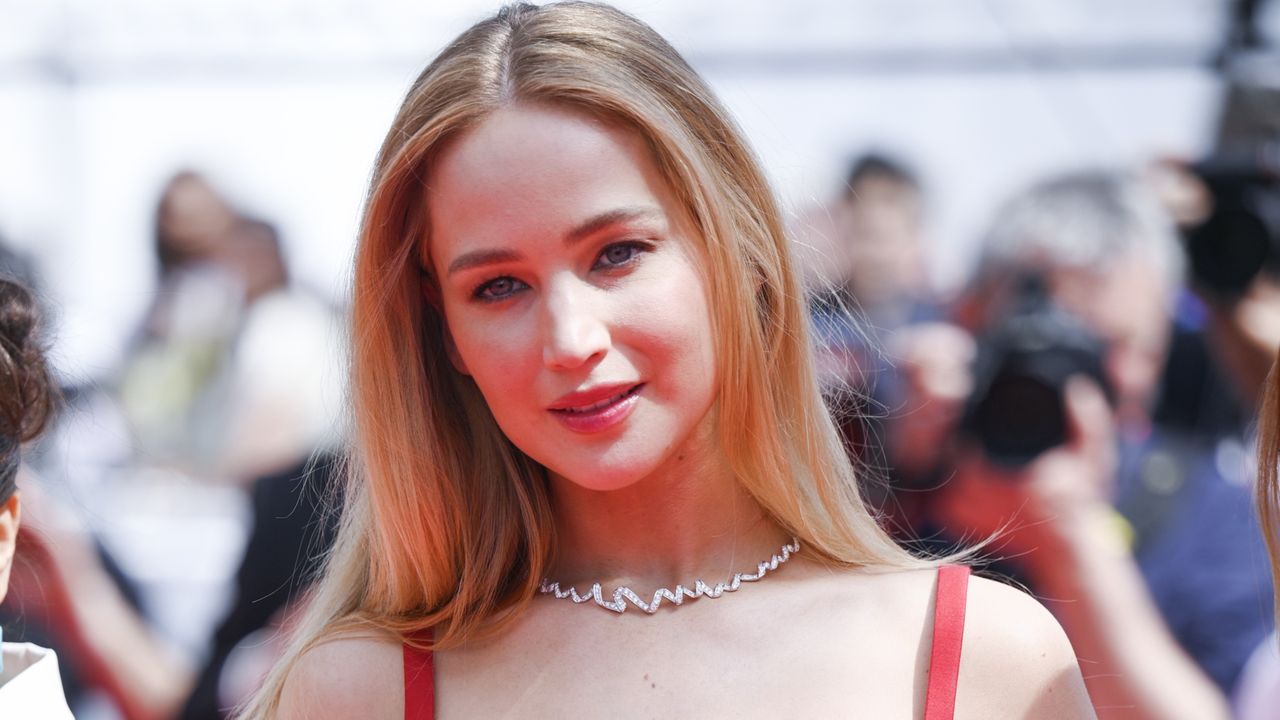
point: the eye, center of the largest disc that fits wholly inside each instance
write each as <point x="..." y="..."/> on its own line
<point x="620" y="254"/>
<point x="498" y="289"/>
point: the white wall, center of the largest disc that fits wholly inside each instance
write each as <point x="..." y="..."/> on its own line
<point x="284" y="105"/>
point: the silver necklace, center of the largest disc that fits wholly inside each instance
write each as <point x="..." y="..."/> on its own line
<point x="677" y="596"/>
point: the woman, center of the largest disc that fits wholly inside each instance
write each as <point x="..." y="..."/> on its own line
<point x="581" y="357"/>
<point x="29" y="682"/>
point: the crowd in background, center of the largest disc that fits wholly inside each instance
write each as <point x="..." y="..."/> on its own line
<point x="227" y="401"/>
<point x="1083" y="405"/>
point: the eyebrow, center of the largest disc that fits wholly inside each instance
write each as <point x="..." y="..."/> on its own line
<point x="582" y="231"/>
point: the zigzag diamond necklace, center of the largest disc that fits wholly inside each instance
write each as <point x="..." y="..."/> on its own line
<point x="677" y="596"/>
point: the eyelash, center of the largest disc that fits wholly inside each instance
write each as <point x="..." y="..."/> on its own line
<point x="636" y="245"/>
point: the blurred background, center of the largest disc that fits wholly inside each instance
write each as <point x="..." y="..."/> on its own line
<point x="182" y="181"/>
<point x="282" y="104"/>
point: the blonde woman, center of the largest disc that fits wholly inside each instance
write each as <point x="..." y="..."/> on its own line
<point x="581" y="360"/>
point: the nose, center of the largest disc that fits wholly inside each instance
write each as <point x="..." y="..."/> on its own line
<point x="575" y="330"/>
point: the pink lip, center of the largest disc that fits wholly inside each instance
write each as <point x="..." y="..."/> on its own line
<point x="597" y="409"/>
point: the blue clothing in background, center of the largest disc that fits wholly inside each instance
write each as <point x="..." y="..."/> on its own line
<point x="1199" y="547"/>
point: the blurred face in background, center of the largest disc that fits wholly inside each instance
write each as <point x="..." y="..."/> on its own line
<point x="252" y="253"/>
<point x="193" y="221"/>
<point x="572" y="294"/>
<point x="879" y="228"/>
<point x="1127" y="305"/>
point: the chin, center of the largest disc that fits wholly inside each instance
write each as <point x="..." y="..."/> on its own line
<point x="612" y="470"/>
<point x="602" y="478"/>
<point x="602" y="484"/>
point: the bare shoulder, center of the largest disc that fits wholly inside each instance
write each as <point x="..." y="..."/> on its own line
<point x="1016" y="660"/>
<point x="351" y="675"/>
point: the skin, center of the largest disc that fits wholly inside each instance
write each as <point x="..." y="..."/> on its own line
<point x="194" y="218"/>
<point x="575" y="319"/>
<point x="652" y="501"/>
<point x="10" y="517"/>
<point x="1127" y="306"/>
<point x="882" y="234"/>
<point x="1245" y="334"/>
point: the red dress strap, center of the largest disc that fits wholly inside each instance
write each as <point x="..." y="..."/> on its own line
<point x="948" y="634"/>
<point x="419" y="683"/>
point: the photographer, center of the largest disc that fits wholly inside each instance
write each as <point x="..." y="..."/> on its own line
<point x="1228" y="208"/>
<point x="1128" y="532"/>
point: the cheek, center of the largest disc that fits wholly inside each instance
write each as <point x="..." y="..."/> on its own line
<point x="1136" y="357"/>
<point x="505" y="359"/>
<point x="499" y="355"/>
<point x="672" y="328"/>
<point x="659" y="328"/>
<point x="1135" y="371"/>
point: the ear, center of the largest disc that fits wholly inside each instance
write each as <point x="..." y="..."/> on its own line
<point x="10" y="515"/>
<point x="431" y="294"/>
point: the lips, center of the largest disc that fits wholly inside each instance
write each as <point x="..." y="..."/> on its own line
<point x="594" y="398"/>
<point x="597" y="409"/>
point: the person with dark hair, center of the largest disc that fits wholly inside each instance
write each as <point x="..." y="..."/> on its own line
<point x="227" y="379"/>
<point x="876" y="165"/>
<point x="191" y="222"/>
<point x="877" y="287"/>
<point x="29" y="681"/>
<point x="879" y="253"/>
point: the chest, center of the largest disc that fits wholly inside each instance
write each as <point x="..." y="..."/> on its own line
<point x="829" y="665"/>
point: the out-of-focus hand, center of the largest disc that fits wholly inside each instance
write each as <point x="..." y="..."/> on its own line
<point x="1245" y="333"/>
<point x="62" y="582"/>
<point x="933" y="363"/>
<point x="1040" y="509"/>
<point x="55" y="554"/>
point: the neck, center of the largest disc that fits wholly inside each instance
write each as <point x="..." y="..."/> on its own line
<point x="689" y="520"/>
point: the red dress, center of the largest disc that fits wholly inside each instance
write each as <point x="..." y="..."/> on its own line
<point x="944" y="659"/>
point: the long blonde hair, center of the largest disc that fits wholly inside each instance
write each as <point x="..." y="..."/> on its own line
<point x="1267" y="491"/>
<point x="447" y="525"/>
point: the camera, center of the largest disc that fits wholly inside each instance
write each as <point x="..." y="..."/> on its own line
<point x="1240" y="236"/>
<point x="1237" y="236"/>
<point x="1017" y="409"/>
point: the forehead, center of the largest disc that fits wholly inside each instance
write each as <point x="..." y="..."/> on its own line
<point x="1129" y="300"/>
<point x="534" y="171"/>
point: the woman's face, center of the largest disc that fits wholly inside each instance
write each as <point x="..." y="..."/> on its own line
<point x="572" y="294"/>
